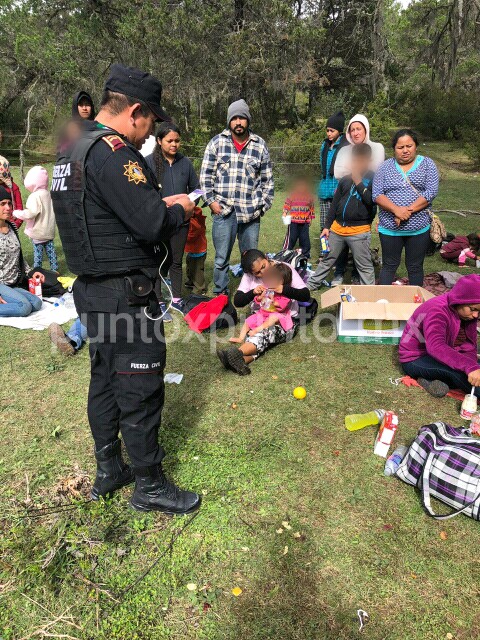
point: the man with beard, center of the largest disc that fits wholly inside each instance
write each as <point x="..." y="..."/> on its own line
<point x="237" y="179"/>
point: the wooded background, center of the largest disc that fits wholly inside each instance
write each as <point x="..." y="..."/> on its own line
<point x="295" y="62"/>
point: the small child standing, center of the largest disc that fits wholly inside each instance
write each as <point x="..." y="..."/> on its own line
<point x="196" y="250"/>
<point x="274" y="307"/>
<point x="40" y="217"/>
<point x="300" y="206"/>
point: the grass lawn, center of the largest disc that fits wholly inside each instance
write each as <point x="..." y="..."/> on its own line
<point x="351" y="538"/>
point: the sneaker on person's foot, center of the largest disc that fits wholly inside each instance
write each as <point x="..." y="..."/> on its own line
<point x="435" y="388"/>
<point x="234" y="358"/>
<point x="59" y="338"/>
<point x="337" y="281"/>
<point x="222" y="356"/>
<point x="167" y="317"/>
<point x="177" y="306"/>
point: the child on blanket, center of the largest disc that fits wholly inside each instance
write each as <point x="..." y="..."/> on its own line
<point x="274" y="308"/>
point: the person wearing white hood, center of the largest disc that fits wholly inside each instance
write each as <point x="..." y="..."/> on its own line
<point x="40" y="217"/>
<point x="358" y="131"/>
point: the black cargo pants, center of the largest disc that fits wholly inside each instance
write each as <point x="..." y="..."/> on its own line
<point x="127" y="352"/>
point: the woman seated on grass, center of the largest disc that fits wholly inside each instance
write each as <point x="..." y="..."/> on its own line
<point x="15" y="299"/>
<point x="255" y="264"/>
<point x="439" y="344"/>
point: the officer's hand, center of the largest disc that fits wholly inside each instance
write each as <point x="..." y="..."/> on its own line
<point x="188" y="206"/>
<point x="171" y="200"/>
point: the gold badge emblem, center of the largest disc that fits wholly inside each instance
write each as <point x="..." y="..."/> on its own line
<point x="134" y="172"/>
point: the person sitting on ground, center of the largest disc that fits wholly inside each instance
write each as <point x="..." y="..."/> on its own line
<point x="15" y="299"/>
<point x="71" y="341"/>
<point x="461" y="248"/>
<point x="300" y="206"/>
<point x="274" y="307"/>
<point x="6" y="181"/>
<point x="254" y="264"/>
<point x="38" y="212"/>
<point x="439" y="343"/>
<point x="349" y="220"/>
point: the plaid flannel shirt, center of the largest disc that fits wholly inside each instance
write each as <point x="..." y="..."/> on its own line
<point x="239" y="182"/>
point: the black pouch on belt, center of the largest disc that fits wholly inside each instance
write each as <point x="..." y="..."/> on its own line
<point x="140" y="292"/>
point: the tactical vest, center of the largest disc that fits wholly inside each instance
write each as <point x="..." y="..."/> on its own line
<point x="95" y="241"/>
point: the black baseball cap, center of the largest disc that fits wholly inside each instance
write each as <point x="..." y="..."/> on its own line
<point x="138" y="85"/>
<point x="4" y="194"/>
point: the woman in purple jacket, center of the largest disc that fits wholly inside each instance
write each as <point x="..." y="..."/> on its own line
<point x="439" y="344"/>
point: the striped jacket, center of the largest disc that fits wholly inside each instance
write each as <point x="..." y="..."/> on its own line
<point x="239" y="182"/>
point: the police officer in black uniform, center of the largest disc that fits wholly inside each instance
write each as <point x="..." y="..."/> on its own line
<point x="113" y="224"/>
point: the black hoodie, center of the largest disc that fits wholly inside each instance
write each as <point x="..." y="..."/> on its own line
<point x="76" y="100"/>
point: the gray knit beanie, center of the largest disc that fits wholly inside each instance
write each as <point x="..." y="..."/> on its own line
<point x="239" y="108"/>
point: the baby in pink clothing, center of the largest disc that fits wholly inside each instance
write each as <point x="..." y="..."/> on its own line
<point x="274" y="308"/>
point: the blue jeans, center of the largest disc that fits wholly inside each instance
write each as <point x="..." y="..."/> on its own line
<point x="224" y="231"/>
<point x="431" y="369"/>
<point x="19" y="302"/>
<point x="77" y="334"/>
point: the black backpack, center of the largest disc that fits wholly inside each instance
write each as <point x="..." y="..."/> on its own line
<point x="295" y="259"/>
<point x="226" y="319"/>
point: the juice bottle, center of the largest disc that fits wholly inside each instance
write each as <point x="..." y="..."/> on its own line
<point x="358" y="421"/>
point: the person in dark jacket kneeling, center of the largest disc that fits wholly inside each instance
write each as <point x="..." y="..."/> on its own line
<point x="349" y="220"/>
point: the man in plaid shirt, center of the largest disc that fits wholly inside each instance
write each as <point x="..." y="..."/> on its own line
<point x="237" y="179"/>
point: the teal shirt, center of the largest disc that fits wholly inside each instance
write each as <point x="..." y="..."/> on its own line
<point x="328" y="185"/>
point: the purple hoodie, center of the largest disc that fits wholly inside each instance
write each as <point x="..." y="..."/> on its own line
<point x="434" y="326"/>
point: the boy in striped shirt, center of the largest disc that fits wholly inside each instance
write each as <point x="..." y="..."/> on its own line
<point x="300" y="206"/>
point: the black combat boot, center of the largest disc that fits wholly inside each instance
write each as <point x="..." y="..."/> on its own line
<point x="153" y="492"/>
<point x="112" y="472"/>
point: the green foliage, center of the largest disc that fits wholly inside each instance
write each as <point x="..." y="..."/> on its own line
<point x="441" y="114"/>
<point x="471" y="138"/>
<point x="382" y="118"/>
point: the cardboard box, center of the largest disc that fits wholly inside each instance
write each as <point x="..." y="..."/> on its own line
<point x="367" y="320"/>
<point x="385" y="434"/>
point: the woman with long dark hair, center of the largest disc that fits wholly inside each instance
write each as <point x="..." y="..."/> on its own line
<point x="254" y="264"/>
<point x="175" y="175"/>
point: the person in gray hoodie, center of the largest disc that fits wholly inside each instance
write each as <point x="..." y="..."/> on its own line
<point x="237" y="181"/>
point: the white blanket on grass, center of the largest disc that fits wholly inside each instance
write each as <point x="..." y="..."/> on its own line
<point x="43" y="318"/>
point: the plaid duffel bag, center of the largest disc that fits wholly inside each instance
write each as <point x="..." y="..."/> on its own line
<point x="444" y="463"/>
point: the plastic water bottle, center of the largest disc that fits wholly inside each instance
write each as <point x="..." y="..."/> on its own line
<point x="358" y="421"/>
<point x="60" y="302"/>
<point x="394" y="460"/>
<point x="68" y="301"/>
